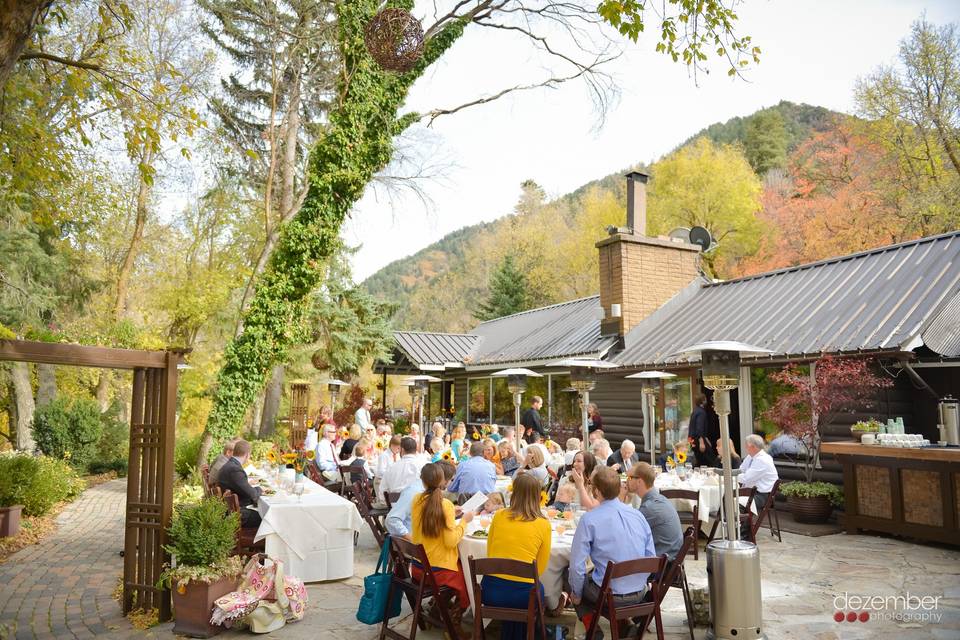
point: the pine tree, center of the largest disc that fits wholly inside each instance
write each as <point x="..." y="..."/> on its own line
<point x="765" y="144"/>
<point x="508" y="292"/>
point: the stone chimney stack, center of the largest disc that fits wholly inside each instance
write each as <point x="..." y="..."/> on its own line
<point x="638" y="274"/>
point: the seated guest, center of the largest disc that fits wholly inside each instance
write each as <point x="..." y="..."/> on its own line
<point x="494" y="503"/>
<point x="624" y="458"/>
<point x="405" y="471"/>
<point x="757" y="470"/>
<point x="510" y="433"/>
<point x="565" y="497"/>
<point x="660" y="513"/>
<point x="495" y="433"/>
<point x="327" y="460"/>
<point x="535" y="465"/>
<point x="573" y="447"/>
<point x="517" y="533"/>
<point x="389" y="456"/>
<point x="594" y="436"/>
<point x="508" y="457"/>
<point x="437" y="447"/>
<point x="474" y="474"/>
<point x="434" y="525"/>
<point x="398" y="520"/>
<point x="355" y="460"/>
<point x="353" y="437"/>
<point x="437" y="430"/>
<point x="584" y="464"/>
<point x="490" y="453"/>
<point x="601" y="450"/>
<point x="382" y="428"/>
<point x="679" y="456"/>
<point x="458" y="443"/>
<point x="610" y="532"/>
<point x="414" y="433"/>
<point x="734" y="456"/>
<point x="221" y="460"/>
<point x="232" y="477"/>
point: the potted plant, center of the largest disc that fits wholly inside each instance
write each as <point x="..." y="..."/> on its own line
<point x="201" y="538"/>
<point x="813" y="402"/>
<point x="864" y="426"/>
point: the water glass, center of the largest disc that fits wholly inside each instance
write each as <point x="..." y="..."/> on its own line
<point x="298" y="491"/>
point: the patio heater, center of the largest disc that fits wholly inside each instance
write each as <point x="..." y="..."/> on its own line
<point x="419" y="385"/>
<point x="733" y="565"/>
<point x="333" y="386"/>
<point x="583" y="378"/>
<point x="649" y="388"/>
<point x="517" y="384"/>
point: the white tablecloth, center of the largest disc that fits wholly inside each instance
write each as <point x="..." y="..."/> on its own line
<point x="552" y="578"/>
<point x="313" y="537"/>
<point x="708" y="490"/>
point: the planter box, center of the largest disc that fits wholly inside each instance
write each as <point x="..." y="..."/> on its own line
<point x="10" y="520"/>
<point x="815" y="510"/>
<point x="193" y="608"/>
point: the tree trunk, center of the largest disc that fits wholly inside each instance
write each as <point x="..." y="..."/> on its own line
<point x="18" y="19"/>
<point x="256" y="414"/>
<point x="123" y="278"/>
<point x="271" y="403"/>
<point x="23" y="393"/>
<point x="103" y="390"/>
<point x="47" y="384"/>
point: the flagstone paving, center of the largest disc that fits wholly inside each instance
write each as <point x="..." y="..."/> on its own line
<point x="62" y="587"/>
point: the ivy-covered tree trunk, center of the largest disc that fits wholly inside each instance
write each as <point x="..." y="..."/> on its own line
<point x="358" y="143"/>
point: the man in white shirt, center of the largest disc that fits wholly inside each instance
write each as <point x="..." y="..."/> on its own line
<point x="326" y="459"/>
<point x="403" y="472"/>
<point x="757" y="470"/>
<point x="362" y="416"/>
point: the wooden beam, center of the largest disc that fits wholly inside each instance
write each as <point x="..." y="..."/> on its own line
<point x="80" y="355"/>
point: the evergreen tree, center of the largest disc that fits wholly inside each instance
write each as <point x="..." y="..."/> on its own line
<point x="765" y="144"/>
<point x="508" y="292"/>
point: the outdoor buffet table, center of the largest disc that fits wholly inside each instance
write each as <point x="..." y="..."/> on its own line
<point x="313" y="536"/>
<point x="906" y="491"/>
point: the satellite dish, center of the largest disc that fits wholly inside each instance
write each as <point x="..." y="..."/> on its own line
<point x="700" y="236"/>
<point x="680" y="233"/>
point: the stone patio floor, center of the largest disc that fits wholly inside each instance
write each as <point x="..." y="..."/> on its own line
<point x="61" y="588"/>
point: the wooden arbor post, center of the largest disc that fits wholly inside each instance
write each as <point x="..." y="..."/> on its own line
<point x="152" y="436"/>
<point x="299" y="410"/>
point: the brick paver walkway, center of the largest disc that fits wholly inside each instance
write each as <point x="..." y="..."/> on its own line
<point x="61" y="588"/>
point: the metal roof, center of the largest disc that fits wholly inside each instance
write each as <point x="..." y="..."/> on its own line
<point x="943" y="333"/>
<point x="875" y="300"/>
<point x="424" y="348"/>
<point x="548" y="333"/>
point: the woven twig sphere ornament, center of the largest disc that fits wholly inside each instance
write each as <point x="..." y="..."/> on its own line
<point x="394" y="38"/>
<point x="319" y="361"/>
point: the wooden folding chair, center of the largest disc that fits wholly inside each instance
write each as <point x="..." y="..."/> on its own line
<point x="245" y="544"/>
<point x="768" y="511"/>
<point x="533" y="615"/>
<point x="313" y="472"/>
<point x="375" y="524"/>
<point x="687" y="517"/>
<point x="406" y="553"/>
<point x="606" y="605"/>
<point x="676" y="576"/>
<point x="391" y="497"/>
<point x="746" y="514"/>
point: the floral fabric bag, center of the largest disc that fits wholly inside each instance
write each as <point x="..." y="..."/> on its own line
<point x="265" y="600"/>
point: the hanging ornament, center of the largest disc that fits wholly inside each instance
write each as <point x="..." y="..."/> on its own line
<point x="394" y="38"/>
<point x="319" y="360"/>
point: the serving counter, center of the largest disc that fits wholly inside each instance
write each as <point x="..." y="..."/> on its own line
<point x="909" y="492"/>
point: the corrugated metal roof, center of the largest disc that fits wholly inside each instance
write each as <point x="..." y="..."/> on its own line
<point x="875" y="300"/>
<point x="425" y="348"/>
<point x="943" y="333"/>
<point x="566" y="329"/>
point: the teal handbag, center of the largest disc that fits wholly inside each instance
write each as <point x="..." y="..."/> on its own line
<point x="376" y="589"/>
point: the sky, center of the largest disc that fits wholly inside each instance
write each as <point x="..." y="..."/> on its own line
<point x="813" y="51"/>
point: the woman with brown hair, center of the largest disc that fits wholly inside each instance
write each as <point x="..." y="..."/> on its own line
<point x="535" y="464"/>
<point x="519" y="532"/>
<point x="434" y="526"/>
<point x="583" y="465"/>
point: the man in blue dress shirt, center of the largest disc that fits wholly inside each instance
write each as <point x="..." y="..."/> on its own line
<point x="474" y="474"/>
<point x="610" y="532"/>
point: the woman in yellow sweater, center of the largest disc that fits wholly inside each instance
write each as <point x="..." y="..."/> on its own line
<point x="434" y="526"/>
<point x="518" y="533"/>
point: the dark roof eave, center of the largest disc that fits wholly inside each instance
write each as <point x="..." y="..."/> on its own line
<point x="771" y="360"/>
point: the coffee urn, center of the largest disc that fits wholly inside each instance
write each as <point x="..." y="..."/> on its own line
<point x="949" y="425"/>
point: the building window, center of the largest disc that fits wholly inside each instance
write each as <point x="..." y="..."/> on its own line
<point x="434" y="403"/>
<point x="502" y="402"/>
<point x="564" y="403"/>
<point x="478" y="397"/>
<point x="677" y="407"/>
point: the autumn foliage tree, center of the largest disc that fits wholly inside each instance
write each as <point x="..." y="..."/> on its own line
<point x="838" y="385"/>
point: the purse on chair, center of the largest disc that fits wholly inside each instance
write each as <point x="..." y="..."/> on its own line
<point x="376" y="588"/>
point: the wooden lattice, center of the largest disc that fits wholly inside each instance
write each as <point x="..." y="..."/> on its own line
<point x="922" y="500"/>
<point x="394" y="38"/>
<point x="299" y="410"/>
<point x="873" y="492"/>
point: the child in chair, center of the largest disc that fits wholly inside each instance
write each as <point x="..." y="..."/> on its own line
<point x="566" y="494"/>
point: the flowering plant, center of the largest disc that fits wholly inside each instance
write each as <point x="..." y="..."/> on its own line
<point x="679" y="458"/>
<point x="296" y="458"/>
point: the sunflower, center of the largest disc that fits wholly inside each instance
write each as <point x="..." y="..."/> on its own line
<point x="510" y="488"/>
<point x="681" y="457"/>
<point x="298" y="468"/>
<point x="543" y="498"/>
<point x="309" y="454"/>
<point x="548" y="444"/>
<point x="670" y="462"/>
<point x="476" y="435"/>
<point x="447" y="455"/>
<point x="289" y="458"/>
<point x="272" y="456"/>
<point x="379" y="445"/>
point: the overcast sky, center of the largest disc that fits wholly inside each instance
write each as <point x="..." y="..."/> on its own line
<point x="813" y="52"/>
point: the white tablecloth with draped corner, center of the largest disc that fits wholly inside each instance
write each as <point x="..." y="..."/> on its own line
<point x="313" y="537"/>
<point x="708" y="490"/>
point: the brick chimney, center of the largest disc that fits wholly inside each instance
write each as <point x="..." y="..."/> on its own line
<point x="638" y="274"/>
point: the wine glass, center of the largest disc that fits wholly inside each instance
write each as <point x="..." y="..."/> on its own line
<point x="561" y="529"/>
<point x="484" y="522"/>
<point x="298" y="491"/>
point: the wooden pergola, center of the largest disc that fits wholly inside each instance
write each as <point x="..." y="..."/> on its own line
<point x="151" y="469"/>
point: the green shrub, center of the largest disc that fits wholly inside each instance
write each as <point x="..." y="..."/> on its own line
<point x="185" y="454"/>
<point x="118" y="465"/>
<point x="203" y="535"/>
<point x="37" y="483"/>
<point x="259" y="448"/>
<point x="812" y="490"/>
<point x="69" y="430"/>
<point x="114" y="442"/>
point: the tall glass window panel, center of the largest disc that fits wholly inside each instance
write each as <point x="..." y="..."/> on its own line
<point x="478" y="392"/>
<point x="435" y="402"/>
<point x="502" y="402"/>
<point x="677" y="407"/>
<point x="565" y="408"/>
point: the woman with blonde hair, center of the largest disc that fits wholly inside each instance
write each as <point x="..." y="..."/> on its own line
<point x="434" y="525"/>
<point x="536" y="465"/>
<point x="491" y="453"/>
<point x="519" y="532"/>
<point x="458" y="443"/>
